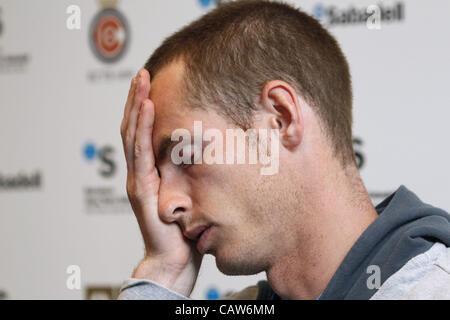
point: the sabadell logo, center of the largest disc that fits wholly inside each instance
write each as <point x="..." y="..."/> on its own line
<point x="104" y="154"/>
<point x="331" y="15"/>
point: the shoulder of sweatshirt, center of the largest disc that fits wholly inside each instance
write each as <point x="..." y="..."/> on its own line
<point x="425" y="276"/>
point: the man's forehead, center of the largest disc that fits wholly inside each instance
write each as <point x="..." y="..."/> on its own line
<point x="172" y="110"/>
<point x="167" y="82"/>
<point x="165" y="94"/>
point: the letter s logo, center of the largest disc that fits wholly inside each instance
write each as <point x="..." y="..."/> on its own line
<point x="108" y="165"/>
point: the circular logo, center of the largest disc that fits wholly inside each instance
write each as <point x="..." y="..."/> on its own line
<point x="109" y="35"/>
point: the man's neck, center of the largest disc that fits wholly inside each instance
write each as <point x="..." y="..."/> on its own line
<point x="335" y="224"/>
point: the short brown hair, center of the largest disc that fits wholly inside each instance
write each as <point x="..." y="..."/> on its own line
<point x="231" y="52"/>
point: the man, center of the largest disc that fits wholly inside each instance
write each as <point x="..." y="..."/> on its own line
<point x="311" y="226"/>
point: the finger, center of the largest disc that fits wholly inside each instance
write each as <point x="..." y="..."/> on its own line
<point x="130" y="98"/>
<point x="124" y="124"/>
<point x="141" y="92"/>
<point x="144" y="159"/>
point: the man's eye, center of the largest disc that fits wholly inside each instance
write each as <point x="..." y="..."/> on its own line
<point x="187" y="165"/>
<point x="195" y="156"/>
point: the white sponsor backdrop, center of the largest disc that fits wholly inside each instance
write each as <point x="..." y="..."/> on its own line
<point x="61" y="109"/>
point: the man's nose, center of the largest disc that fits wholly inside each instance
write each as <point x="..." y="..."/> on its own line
<point x="174" y="203"/>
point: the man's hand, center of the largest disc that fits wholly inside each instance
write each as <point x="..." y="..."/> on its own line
<point x="171" y="260"/>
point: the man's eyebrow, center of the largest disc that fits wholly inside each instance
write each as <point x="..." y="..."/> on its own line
<point x="164" y="146"/>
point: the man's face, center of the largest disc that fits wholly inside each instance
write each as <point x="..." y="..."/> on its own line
<point x="241" y="206"/>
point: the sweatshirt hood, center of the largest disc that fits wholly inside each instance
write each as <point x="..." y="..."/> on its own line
<point x="404" y="228"/>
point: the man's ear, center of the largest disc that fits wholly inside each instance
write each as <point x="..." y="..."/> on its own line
<point x="279" y="100"/>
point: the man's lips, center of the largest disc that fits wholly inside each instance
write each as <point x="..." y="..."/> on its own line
<point x="195" y="232"/>
<point x="201" y="234"/>
<point x="204" y="239"/>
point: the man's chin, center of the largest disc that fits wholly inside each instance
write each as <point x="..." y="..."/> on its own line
<point x="234" y="266"/>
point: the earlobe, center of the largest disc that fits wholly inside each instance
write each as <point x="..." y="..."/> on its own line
<point x="292" y="137"/>
<point x="280" y="100"/>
